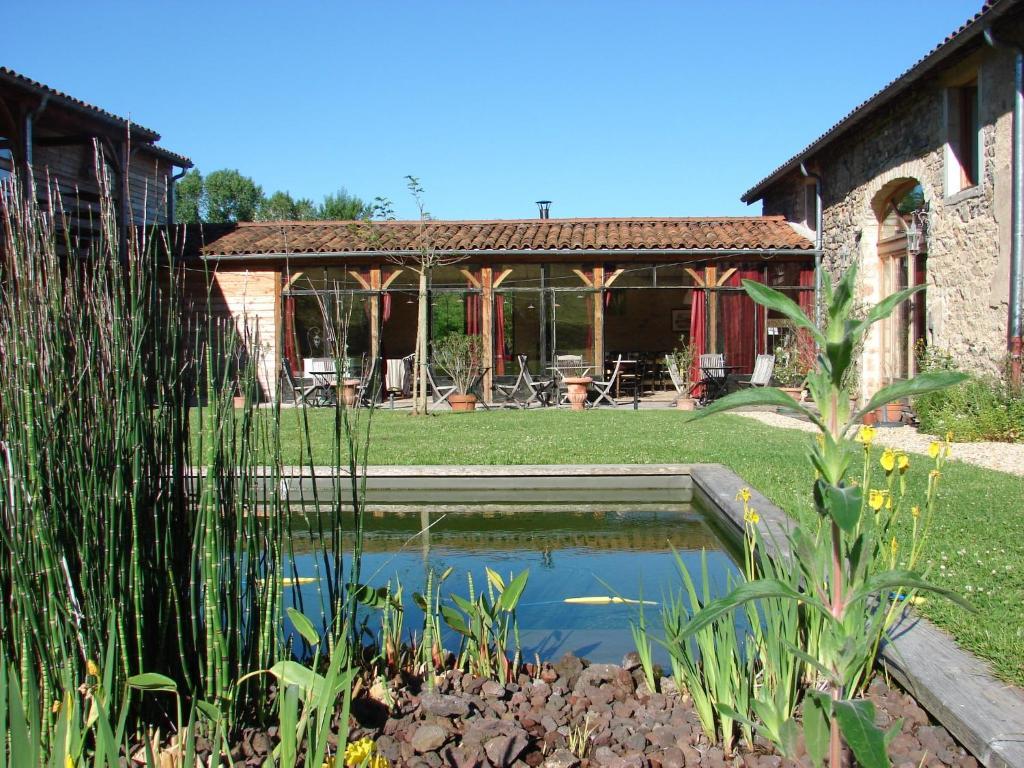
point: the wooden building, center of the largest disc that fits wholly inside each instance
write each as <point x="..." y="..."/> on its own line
<point x="54" y="140"/>
<point x="593" y="287"/>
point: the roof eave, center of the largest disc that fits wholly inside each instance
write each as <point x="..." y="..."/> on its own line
<point x="604" y="252"/>
<point x="967" y="35"/>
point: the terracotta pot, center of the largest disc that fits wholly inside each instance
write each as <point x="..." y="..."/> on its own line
<point x="348" y="392"/>
<point x="797" y="393"/>
<point x="870" y="418"/>
<point x="463" y="403"/>
<point x="238" y="401"/>
<point x="577" y="386"/>
<point x="686" y="403"/>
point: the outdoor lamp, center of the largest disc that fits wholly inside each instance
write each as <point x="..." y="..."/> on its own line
<point x="915" y="232"/>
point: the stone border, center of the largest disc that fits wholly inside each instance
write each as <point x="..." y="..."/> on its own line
<point x="985" y="715"/>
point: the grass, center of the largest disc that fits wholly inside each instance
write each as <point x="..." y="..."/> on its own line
<point x="976" y="544"/>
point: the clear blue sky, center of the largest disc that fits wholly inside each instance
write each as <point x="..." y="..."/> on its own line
<point x="606" y="108"/>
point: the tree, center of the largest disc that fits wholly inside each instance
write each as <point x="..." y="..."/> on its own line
<point x="230" y="196"/>
<point x="188" y="198"/>
<point x="278" y="207"/>
<point x="343" y="207"/>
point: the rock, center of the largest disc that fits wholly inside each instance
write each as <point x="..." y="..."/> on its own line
<point x="444" y="705"/>
<point x="428" y="738"/>
<point x="502" y="751"/>
<point x="562" y="758"/>
<point x="548" y="674"/>
<point x="596" y="674"/>
<point x="569" y="668"/>
<point x="631" y="661"/>
<point x="672" y="757"/>
<point x="493" y="690"/>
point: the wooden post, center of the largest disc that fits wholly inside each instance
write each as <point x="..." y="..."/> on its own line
<point x="487" y="328"/>
<point x="375" y="286"/>
<point x="711" y="281"/>
<point x="599" y="320"/>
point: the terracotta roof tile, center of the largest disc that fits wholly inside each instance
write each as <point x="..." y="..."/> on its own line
<point x="582" y="235"/>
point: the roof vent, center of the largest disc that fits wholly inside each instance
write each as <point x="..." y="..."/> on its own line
<point x="545" y="208"/>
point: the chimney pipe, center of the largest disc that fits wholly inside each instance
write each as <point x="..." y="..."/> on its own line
<point x="545" y="208"/>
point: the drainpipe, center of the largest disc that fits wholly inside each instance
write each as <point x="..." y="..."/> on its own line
<point x="1017" y="208"/>
<point x="30" y="120"/>
<point x="170" y="196"/>
<point x="817" y="241"/>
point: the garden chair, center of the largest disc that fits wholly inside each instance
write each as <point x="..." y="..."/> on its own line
<point x="441" y="391"/>
<point x="368" y="389"/>
<point x="540" y="389"/>
<point x="713" y="381"/>
<point x="764" y="366"/>
<point x="301" y="393"/>
<point x="566" y="366"/>
<point x="511" y="391"/>
<point x="603" y="388"/>
<point x="679" y="378"/>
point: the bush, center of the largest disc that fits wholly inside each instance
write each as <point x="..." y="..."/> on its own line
<point x="981" y="408"/>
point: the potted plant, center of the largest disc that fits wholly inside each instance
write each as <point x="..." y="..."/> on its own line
<point x="791" y="366"/>
<point x="684" y="357"/>
<point x="459" y="357"/>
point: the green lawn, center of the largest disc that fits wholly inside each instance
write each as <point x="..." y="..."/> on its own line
<point x="977" y="538"/>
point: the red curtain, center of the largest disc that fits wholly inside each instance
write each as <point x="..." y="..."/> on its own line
<point x="385" y="308"/>
<point x="698" y="331"/>
<point x="742" y="322"/>
<point x="289" y="332"/>
<point x="805" y="299"/>
<point x="473" y="314"/>
<point x="499" y="335"/>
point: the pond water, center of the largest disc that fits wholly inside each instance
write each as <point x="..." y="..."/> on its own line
<point x="596" y="551"/>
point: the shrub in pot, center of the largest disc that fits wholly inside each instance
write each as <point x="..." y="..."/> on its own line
<point x="459" y="357"/>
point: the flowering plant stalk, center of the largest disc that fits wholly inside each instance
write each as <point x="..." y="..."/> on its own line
<point x="845" y="579"/>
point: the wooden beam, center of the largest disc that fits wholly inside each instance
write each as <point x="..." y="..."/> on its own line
<point x="487" y="329"/>
<point x="698" y="279"/>
<point x="583" y="276"/>
<point x="501" y="278"/>
<point x="288" y="283"/>
<point x="711" y="278"/>
<point x="598" y="320"/>
<point x="390" y="279"/>
<point x="471" y="277"/>
<point x="613" y="277"/>
<point x="375" y="318"/>
<point x="725" y="276"/>
<point x="358" y="277"/>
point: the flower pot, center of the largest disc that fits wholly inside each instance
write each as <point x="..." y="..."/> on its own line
<point x="686" y="404"/>
<point x="577" y="386"/>
<point x="463" y="402"/>
<point x="797" y="393"/>
<point x="238" y="401"/>
<point x="348" y="392"/>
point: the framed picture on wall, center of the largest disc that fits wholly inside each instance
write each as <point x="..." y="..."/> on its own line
<point x="680" y="320"/>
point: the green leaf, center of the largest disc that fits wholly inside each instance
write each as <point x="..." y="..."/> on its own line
<point x="303" y="626"/>
<point x="758" y="396"/>
<point x="510" y="597"/>
<point x="901" y="579"/>
<point x="212" y="711"/>
<point x="780" y="302"/>
<point x="884" y="308"/>
<point x="420" y="600"/>
<point x="751" y="590"/>
<point x="454" y="620"/>
<point x="843" y="504"/>
<point x="921" y="384"/>
<point x="292" y="673"/>
<point x="466" y="606"/>
<point x="857" y="722"/>
<point x="817" y="710"/>
<point x="372" y="598"/>
<point x="495" y="578"/>
<point x="152" y="681"/>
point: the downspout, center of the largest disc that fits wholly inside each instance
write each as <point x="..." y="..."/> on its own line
<point x="171" y="196"/>
<point x="30" y="120"/>
<point x="1017" y="209"/>
<point x="817" y="241"/>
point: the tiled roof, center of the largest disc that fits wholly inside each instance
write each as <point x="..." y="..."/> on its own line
<point x="654" y="234"/>
<point x="956" y="40"/>
<point x="147" y="135"/>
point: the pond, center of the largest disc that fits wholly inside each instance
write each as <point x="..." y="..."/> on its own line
<point x="594" y="550"/>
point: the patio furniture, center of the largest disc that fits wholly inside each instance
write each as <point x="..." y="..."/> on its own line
<point x="604" y="388"/>
<point x="441" y="392"/>
<point x="324" y="375"/>
<point x="397" y="376"/>
<point x="567" y="367"/>
<point x="511" y="391"/>
<point x="369" y="385"/>
<point x="764" y="366"/>
<point x="678" y="379"/>
<point x="713" y="379"/>
<point x="301" y="393"/>
<point x="540" y="389"/>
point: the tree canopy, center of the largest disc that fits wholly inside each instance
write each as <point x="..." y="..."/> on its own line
<point x="226" y="196"/>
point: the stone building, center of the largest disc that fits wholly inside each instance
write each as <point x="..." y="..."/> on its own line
<point x="59" y="137"/>
<point x="916" y="185"/>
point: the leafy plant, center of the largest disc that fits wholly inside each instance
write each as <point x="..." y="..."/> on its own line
<point x="485" y="623"/>
<point x="794" y="359"/>
<point x="846" y="575"/>
<point x="460" y="357"/>
<point x="684" y="357"/>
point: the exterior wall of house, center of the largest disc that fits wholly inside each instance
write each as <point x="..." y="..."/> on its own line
<point x="968" y="237"/>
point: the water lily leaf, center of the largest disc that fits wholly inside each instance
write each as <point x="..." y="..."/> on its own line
<point x="303" y="626"/>
<point x="152" y="681"/>
<point x="857" y="722"/>
<point x="373" y="597"/>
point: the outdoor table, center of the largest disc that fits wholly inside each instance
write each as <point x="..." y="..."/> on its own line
<point x="324" y="382"/>
<point x="717" y="383"/>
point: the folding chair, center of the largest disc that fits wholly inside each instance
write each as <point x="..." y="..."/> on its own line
<point x="764" y="367"/>
<point x="540" y="389"/>
<point x="368" y="389"/>
<point x="604" y="388"/>
<point x="678" y="380"/>
<point x="509" y="391"/>
<point x="441" y="391"/>
<point x="713" y="382"/>
<point x="300" y="392"/>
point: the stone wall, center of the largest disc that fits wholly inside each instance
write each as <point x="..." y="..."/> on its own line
<point x="968" y="240"/>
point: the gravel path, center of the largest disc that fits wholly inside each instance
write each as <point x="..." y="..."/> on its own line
<point x="1004" y="457"/>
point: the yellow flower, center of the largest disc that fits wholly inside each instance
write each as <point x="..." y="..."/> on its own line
<point x="379" y="761"/>
<point x="934" y="448"/>
<point x="91" y="668"/>
<point x="751" y="516"/>
<point x="935" y="474"/>
<point x="894" y="546"/>
<point x="328" y="763"/>
<point x="888" y="460"/>
<point x="949" y="437"/>
<point x="903" y="462"/>
<point x="876" y="499"/>
<point x="866" y="435"/>
<point x="743" y="495"/>
<point x="358" y="751"/>
<point x="915" y="512"/>
<point x="69" y="762"/>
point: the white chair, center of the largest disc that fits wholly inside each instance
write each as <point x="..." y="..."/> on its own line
<point x="441" y="391"/>
<point x="680" y="380"/>
<point x="604" y="388"/>
<point x="764" y="367"/>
